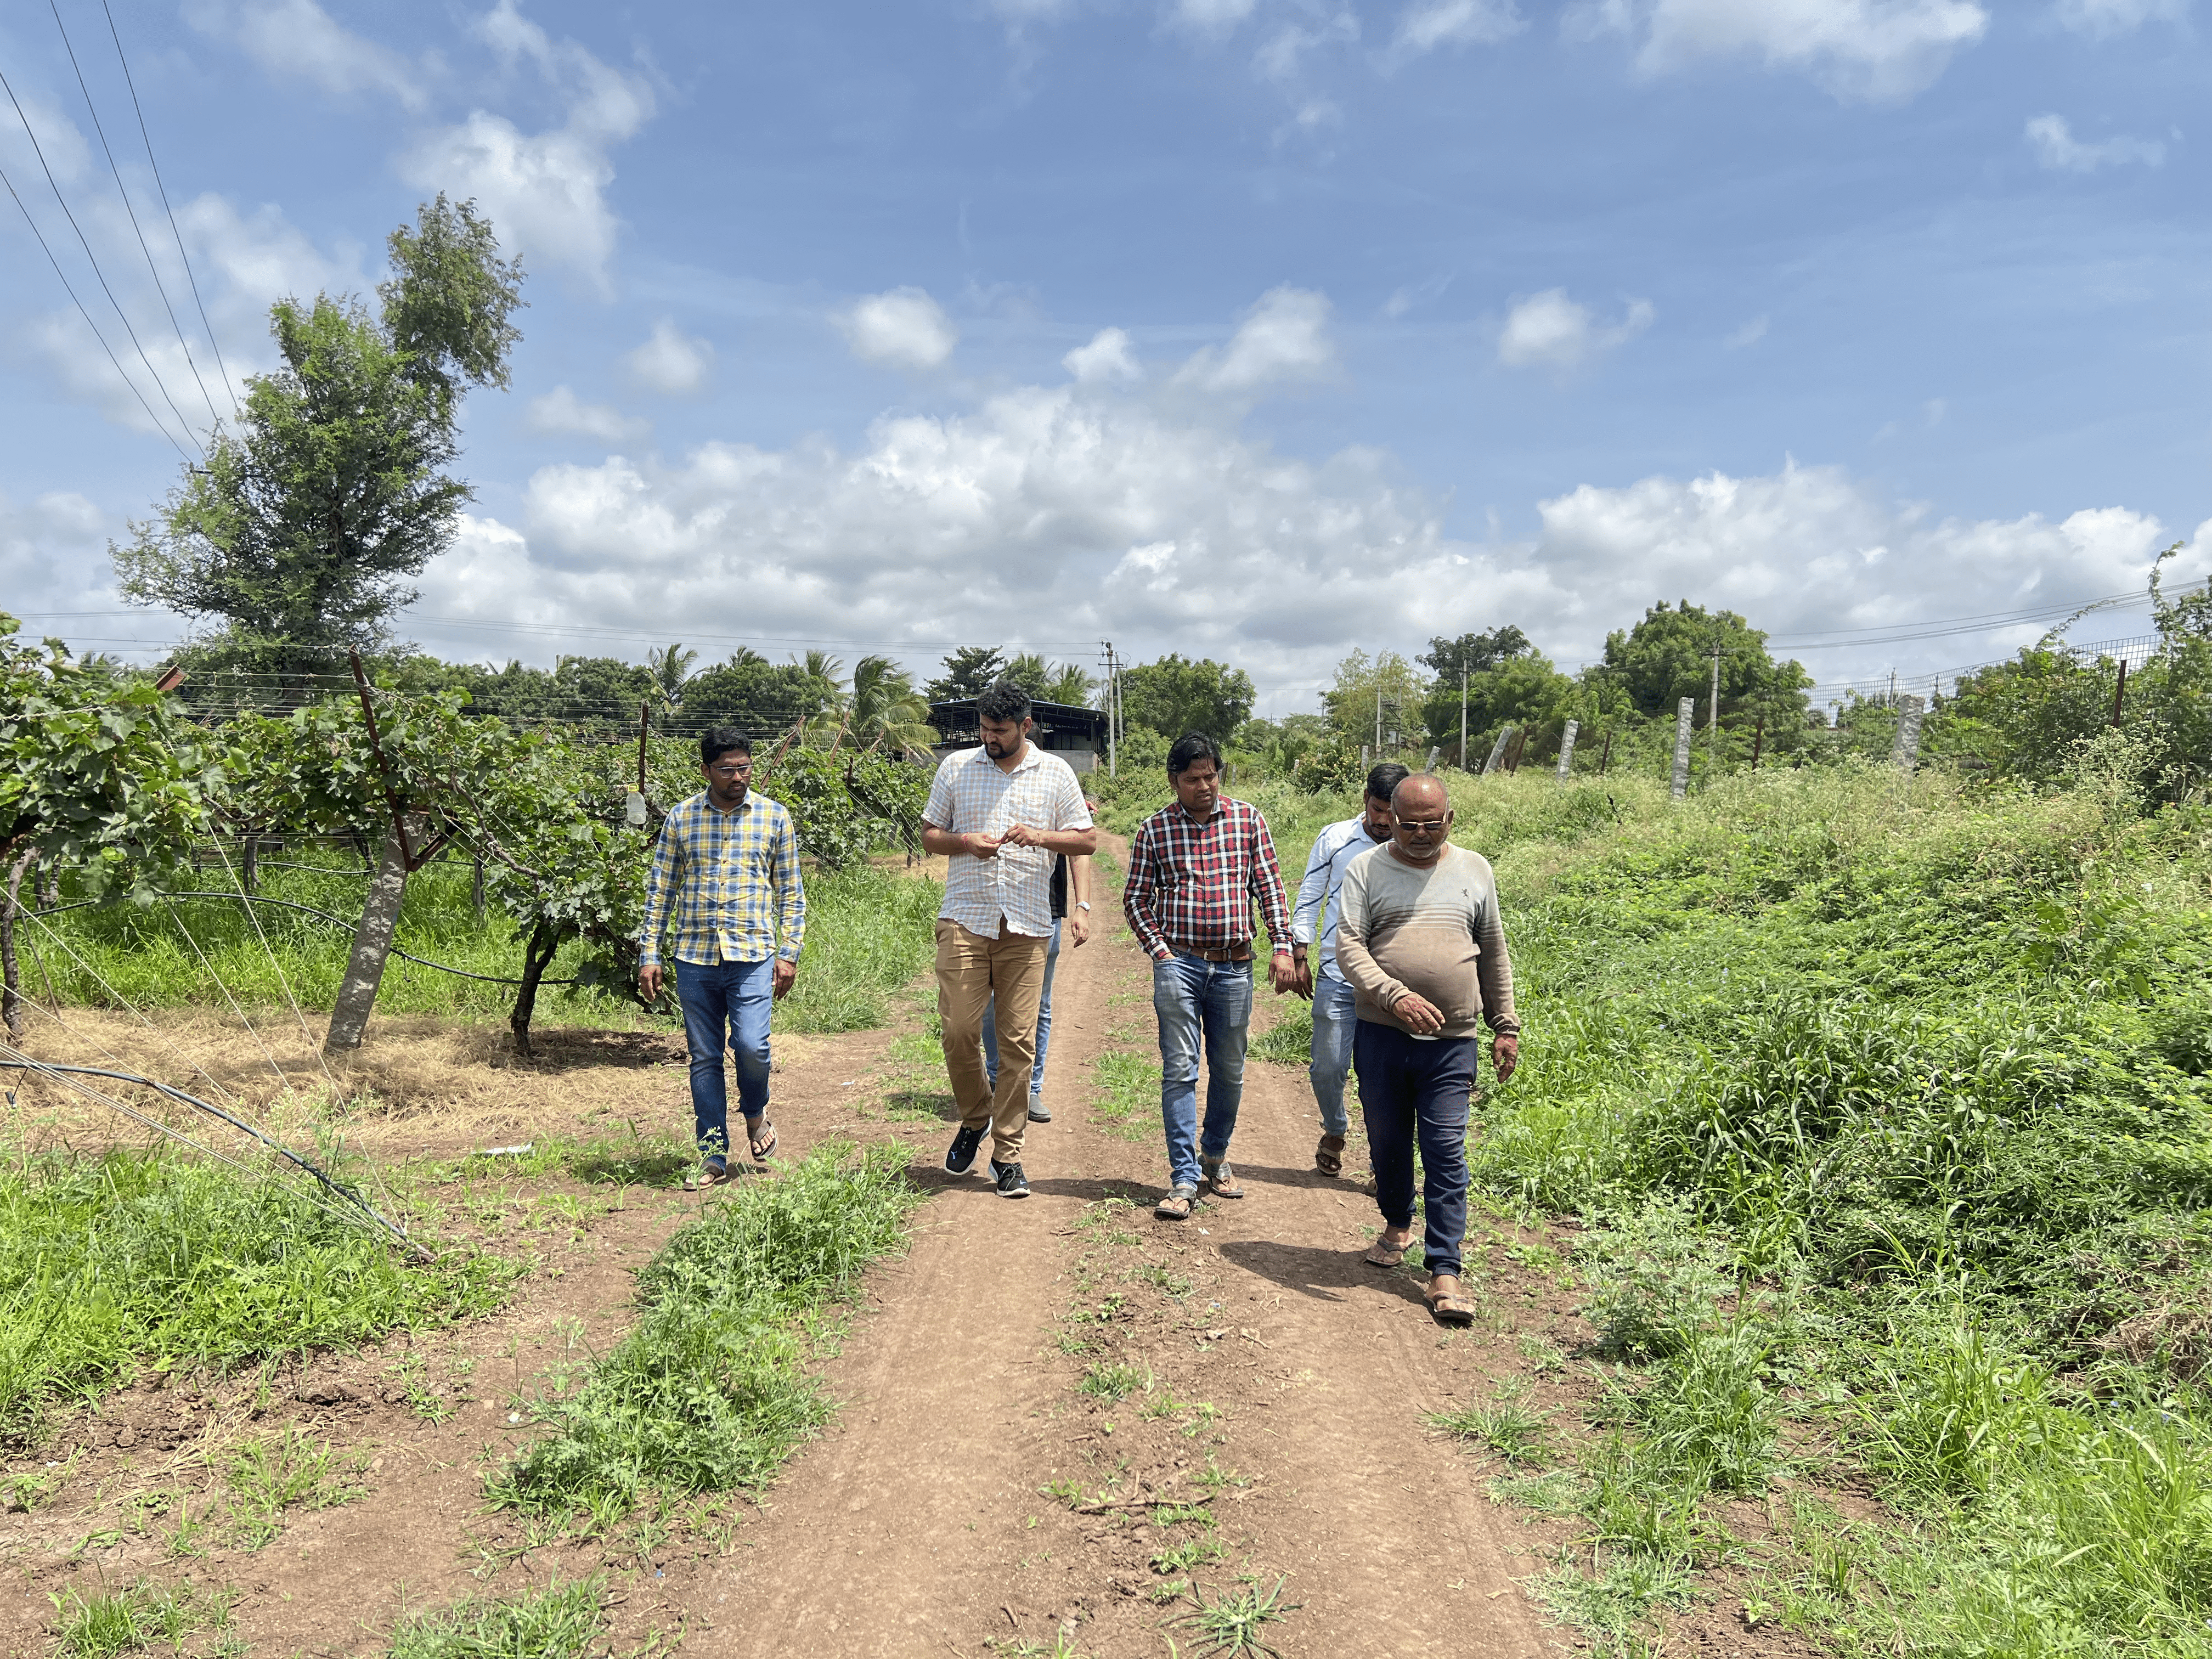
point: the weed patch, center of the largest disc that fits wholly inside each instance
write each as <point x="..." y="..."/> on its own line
<point x="562" y="1621"/>
<point x="133" y="1618"/>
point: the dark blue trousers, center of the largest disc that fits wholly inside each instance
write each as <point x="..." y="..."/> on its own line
<point x="1413" y="1092"/>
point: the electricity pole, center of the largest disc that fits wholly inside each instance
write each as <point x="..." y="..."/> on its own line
<point x="1113" y="691"/>
<point x="1463" y="717"/>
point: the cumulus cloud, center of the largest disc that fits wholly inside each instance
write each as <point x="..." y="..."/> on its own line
<point x="1879" y="50"/>
<point x="545" y="191"/>
<point x="903" y="328"/>
<point x="1433" y="23"/>
<point x="50" y="558"/>
<point x="1106" y="357"/>
<point x="670" y="362"/>
<point x="1550" y="331"/>
<point x="561" y="412"/>
<point x="1283" y="337"/>
<point x="2059" y="149"/>
<point x="298" y="38"/>
<point x="2101" y="19"/>
<point x="1210" y="17"/>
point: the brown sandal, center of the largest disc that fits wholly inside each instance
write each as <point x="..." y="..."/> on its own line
<point x="1175" y="1207"/>
<point x="1328" y="1157"/>
<point x="1220" y="1179"/>
<point x="1450" y="1308"/>
<point x="1379" y="1254"/>
<point x="762" y="1144"/>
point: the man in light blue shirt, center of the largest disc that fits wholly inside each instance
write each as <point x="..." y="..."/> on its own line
<point x="1314" y="917"/>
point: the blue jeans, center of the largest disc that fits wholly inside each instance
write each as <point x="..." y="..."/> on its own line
<point x="1043" y="1024"/>
<point x="1200" y="1000"/>
<point x="729" y="1002"/>
<point x="1411" y="1091"/>
<point x="1333" y="1016"/>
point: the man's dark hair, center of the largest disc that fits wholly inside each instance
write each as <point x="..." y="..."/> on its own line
<point x="1190" y="749"/>
<point x="1385" y="778"/>
<point x="1003" y="700"/>
<point x="717" y="741"/>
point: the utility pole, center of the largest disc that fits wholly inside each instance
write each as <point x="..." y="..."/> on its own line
<point x="1713" y="717"/>
<point x="1112" y="689"/>
<point x="1463" y="717"/>
<point x="1378" y="717"/>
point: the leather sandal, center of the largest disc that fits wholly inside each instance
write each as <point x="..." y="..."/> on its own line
<point x="1176" y="1206"/>
<point x="705" y="1175"/>
<point x="1379" y="1254"/>
<point x="1220" y="1179"/>
<point x="1328" y="1157"/>
<point x="1450" y="1307"/>
<point x="763" y="1144"/>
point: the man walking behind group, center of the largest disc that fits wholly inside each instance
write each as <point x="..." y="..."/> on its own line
<point x="1314" y="922"/>
<point x="1195" y="868"/>
<point x="999" y="815"/>
<point x="724" y="881"/>
<point x="1420" y="940"/>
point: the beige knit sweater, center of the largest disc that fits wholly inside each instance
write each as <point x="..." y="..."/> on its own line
<point x="1434" y="931"/>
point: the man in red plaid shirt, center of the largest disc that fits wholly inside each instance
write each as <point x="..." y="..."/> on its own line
<point x="1194" y="869"/>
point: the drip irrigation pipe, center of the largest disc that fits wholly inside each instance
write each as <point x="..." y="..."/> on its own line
<point x="17" y="1057"/>
<point x="336" y="920"/>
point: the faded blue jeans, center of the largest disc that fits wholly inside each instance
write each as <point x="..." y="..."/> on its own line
<point x="1335" y="1013"/>
<point x="725" y="1001"/>
<point x="1043" y="1024"/>
<point x="1209" y="1003"/>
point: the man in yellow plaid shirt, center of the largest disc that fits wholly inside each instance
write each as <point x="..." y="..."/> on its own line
<point x="725" y="881"/>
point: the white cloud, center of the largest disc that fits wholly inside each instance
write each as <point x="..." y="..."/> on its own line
<point x="298" y="38"/>
<point x="546" y="192"/>
<point x="1550" y="331"/>
<point x="903" y="328"/>
<point x="1750" y="333"/>
<point x="1872" y="49"/>
<point x="1283" y="54"/>
<point x="1434" y="23"/>
<point x="52" y="558"/>
<point x="1283" y="337"/>
<point x="2057" y="148"/>
<point x="670" y="362"/>
<point x="560" y="411"/>
<point x="1106" y="357"/>
<point x="1210" y="17"/>
<point x="2102" y="19"/>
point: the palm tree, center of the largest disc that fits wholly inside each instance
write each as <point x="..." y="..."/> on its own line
<point x="1070" y="685"/>
<point x="884" y="709"/>
<point x="671" y="667"/>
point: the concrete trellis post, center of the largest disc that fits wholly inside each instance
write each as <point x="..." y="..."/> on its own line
<point x="1567" y="747"/>
<point x="1906" y="754"/>
<point x="1686" y="719"/>
<point x="1497" y="749"/>
<point x="1432" y="766"/>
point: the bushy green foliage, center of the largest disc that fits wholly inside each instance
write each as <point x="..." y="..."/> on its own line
<point x="137" y="1258"/>
<point x="707" y="1392"/>
<point x="562" y="1621"/>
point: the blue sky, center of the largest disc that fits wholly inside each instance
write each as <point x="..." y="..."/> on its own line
<point x="1249" y="328"/>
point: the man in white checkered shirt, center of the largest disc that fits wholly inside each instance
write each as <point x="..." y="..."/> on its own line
<point x="1000" y="815"/>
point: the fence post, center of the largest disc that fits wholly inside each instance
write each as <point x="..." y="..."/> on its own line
<point x="1758" y="741"/>
<point x="2120" y="694"/>
<point x="1567" y="747"/>
<point x="1685" y="720"/>
<point x="1497" y="749"/>
<point x="1433" y="752"/>
<point x="1605" y="754"/>
<point x="1906" y="754"/>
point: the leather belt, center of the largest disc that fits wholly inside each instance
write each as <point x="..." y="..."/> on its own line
<point x="1240" y="952"/>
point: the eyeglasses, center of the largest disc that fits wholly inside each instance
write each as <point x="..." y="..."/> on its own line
<point x="745" y="771"/>
<point x="1424" y="826"/>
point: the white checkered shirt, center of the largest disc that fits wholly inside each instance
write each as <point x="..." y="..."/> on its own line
<point x="970" y="794"/>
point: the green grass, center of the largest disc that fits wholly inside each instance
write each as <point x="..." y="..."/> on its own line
<point x="562" y="1621"/>
<point x="1236" y="1623"/>
<point x="133" y="1618"/>
<point x="708" y="1392"/>
<point x="1504" y="1425"/>
<point x="134" y="1258"/>
<point x="291" y="1470"/>
<point x="1884" y="1105"/>
<point x="1126" y="1099"/>
<point x="867" y="933"/>
<point x="1112" y="1383"/>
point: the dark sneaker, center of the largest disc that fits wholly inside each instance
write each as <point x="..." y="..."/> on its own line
<point x="1038" y="1112"/>
<point x="961" y="1157"/>
<point x="1009" y="1179"/>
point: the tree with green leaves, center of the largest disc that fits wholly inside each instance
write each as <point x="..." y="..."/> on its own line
<point x="763" y="699"/>
<point x="97" y="775"/>
<point x="1518" y="688"/>
<point x="1473" y="653"/>
<point x="1362" y="682"/>
<point x="1669" y="655"/>
<point x="968" y="672"/>
<point x="884" y="711"/>
<point x="1173" y="695"/>
<point x="670" y="666"/>
<point x="301" y="530"/>
<point x="1066" y="683"/>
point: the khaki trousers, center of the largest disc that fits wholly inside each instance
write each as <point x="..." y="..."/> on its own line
<point x="971" y="970"/>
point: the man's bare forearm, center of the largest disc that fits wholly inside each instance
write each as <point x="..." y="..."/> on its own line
<point x="1076" y="843"/>
<point x="943" y="842"/>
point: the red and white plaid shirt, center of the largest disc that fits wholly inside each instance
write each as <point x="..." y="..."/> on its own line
<point x="1191" y="885"/>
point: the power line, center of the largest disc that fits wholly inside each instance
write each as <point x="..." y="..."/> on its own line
<point x="97" y="335"/>
<point x="132" y="213"/>
<point x="39" y="150"/>
<point x="164" y="190"/>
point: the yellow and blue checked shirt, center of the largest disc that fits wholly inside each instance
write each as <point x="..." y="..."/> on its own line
<point x="711" y="884"/>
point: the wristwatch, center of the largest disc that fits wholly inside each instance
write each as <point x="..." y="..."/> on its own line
<point x="1083" y="904"/>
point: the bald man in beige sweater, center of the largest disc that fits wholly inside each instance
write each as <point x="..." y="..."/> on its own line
<point x="1420" y="937"/>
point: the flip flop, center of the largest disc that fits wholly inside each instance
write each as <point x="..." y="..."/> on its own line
<point x="1328" y="1157"/>
<point x="1175" y="1207"/>
<point x="1379" y="1254"/>
<point x="1450" y="1308"/>
<point x="761" y="1149"/>
<point x="705" y="1175"/>
<point x="1220" y="1179"/>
